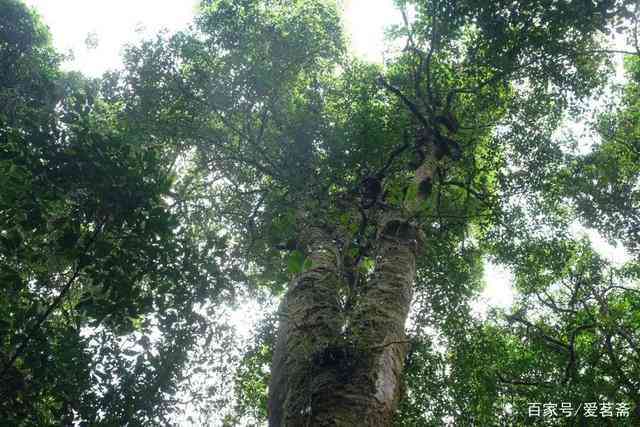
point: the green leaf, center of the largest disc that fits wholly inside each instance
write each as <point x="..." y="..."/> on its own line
<point x="296" y="262"/>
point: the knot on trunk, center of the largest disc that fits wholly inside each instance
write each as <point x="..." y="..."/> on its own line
<point x="399" y="229"/>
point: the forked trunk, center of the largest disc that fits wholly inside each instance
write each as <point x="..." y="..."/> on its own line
<point x="338" y="368"/>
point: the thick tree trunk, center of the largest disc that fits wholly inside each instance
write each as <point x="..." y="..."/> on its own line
<point x="311" y="321"/>
<point x="338" y="370"/>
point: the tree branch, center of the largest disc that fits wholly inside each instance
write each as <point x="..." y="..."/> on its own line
<point x="410" y="105"/>
<point x="56" y="302"/>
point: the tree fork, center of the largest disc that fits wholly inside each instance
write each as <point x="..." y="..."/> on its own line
<point x="379" y="327"/>
<point x="330" y="372"/>
<point x="324" y="376"/>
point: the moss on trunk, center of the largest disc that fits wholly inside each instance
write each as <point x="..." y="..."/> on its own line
<point x="344" y="369"/>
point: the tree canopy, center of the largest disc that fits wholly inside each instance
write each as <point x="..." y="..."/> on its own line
<point x="250" y="163"/>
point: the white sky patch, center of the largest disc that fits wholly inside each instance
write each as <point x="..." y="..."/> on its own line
<point x="616" y="254"/>
<point x="365" y="21"/>
<point x="245" y="318"/>
<point x="114" y="23"/>
<point x="117" y="22"/>
<point x="498" y="292"/>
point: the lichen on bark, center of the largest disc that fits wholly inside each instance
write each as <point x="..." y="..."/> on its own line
<point x="344" y="368"/>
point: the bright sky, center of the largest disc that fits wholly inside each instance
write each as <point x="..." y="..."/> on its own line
<point x="117" y="22"/>
<point x="365" y="21"/>
<point x="114" y="23"/>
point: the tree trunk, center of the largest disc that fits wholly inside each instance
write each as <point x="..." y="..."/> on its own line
<point x="332" y="368"/>
<point x="337" y="368"/>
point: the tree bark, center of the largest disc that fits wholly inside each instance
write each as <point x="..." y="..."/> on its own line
<point x="311" y="323"/>
<point x="344" y="369"/>
<point x="278" y="383"/>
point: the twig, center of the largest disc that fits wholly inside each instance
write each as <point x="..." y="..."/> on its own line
<point x="391" y="343"/>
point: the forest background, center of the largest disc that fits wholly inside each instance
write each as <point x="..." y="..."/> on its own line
<point x="130" y="270"/>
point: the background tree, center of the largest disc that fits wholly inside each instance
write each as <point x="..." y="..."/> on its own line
<point x="100" y="280"/>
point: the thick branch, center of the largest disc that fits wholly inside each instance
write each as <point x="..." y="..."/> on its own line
<point x="410" y="105"/>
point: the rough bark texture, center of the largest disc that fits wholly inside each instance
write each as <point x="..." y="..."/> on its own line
<point x="339" y="372"/>
<point x="278" y="383"/>
<point x="382" y="314"/>
<point x="312" y="321"/>
<point x="370" y="395"/>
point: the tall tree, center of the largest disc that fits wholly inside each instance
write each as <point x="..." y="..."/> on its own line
<point x="349" y="182"/>
<point x="251" y="152"/>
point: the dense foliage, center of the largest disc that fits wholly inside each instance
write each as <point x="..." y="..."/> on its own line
<point x="101" y="282"/>
<point x="137" y="210"/>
